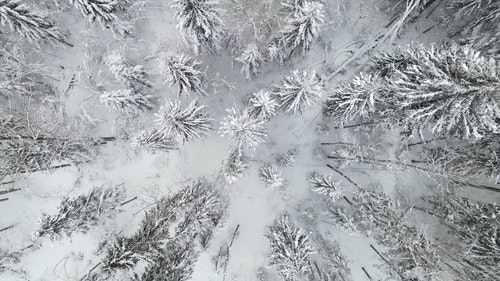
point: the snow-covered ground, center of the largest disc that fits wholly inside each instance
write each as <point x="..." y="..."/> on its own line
<point x="349" y="28"/>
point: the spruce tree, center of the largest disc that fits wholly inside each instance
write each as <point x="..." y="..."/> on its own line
<point x="290" y="250"/>
<point x="325" y="185"/>
<point x="170" y="236"/>
<point x="251" y="60"/>
<point x="134" y="77"/>
<point x="271" y="175"/>
<point x="201" y="22"/>
<point x="82" y="213"/>
<point x="185" y="72"/>
<point x="127" y="100"/>
<point x="153" y="139"/>
<point x="182" y="124"/>
<point x="303" y="27"/>
<point x="33" y="27"/>
<point x="262" y="105"/>
<point x="298" y="91"/>
<point x="245" y="130"/>
<point x="104" y="12"/>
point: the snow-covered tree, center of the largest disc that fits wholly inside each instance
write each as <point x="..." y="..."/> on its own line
<point x="245" y="130"/>
<point x="82" y="213"/>
<point x="411" y="253"/>
<point x="202" y="24"/>
<point x="153" y="139"/>
<point x="290" y="250"/>
<point x="271" y="175"/>
<point x="170" y="234"/>
<point x="25" y="154"/>
<point x="134" y="77"/>
<point x="477" y="226"/>
<point x="183" y="71"/>
<point x="361" y="97"/>
<point x="449" y="90"/>
<point x="182" y="124"/>
<point x="472" y="16"/>
<point x="127" y="100"/>
<point x="276" y="52"/>
<point x="463" y="162"/>
<point x="104" y="12"/>
<point x="325" y="185"/>
<point x="251" y="60"/>
<point x="303" y="27"/>
<point x="262" y="105"/>
<point x="299" y="91"/>
<point x="234" y="167"/>
<point x="33" y="27"/>
<point x="446" y="89"/>
<point x="287" y="158"/>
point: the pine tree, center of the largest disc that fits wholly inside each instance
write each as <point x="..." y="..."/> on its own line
<point x="463" y="162"/>
<point x="183" y="71"/>
<point x="182" y="124"/>
<point x="447" y="89"/>
<point x="201" y="22"/>
<point x="271" y="175"/>
<point x="245" y="130"/>
<point x="252" y="60"/>
<point x="127" y="100"/>
<point x="134" y="77"/>
<point x="290" y="250"/>
<point x="303" y="27"/>
<point x="169" y="235"/>
<point x="362" y="97"/>
<point x="25" y="154"/>
<point x="325" y="185"/>
<point x="473" y="15"/>
<point x="29" y="25"/>
<point x="262" y="105"/>
<point x="299" y="91"/>
<point x="444" y="89"/>
<point x="82" y="213"/>
<point x="234" y="168"/>
<point x="104" y="12"/>
<point x="475" y="224"/>
<point x="153" y="139"/>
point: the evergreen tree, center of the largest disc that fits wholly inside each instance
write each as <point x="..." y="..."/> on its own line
<point x="290" y="250"/>
<point x="134" y="77"/>
<point x="298" y="91"/>
<point x="448" y="90"/>
<point x="127" y="100"/>
<point x="183" y="71"/>
<point x="201" y="22"/>
<point x="234" y="168"/>
<point x="325" y="185"/>
<point x="271" y="175"/>
<point x="104" y="12"/>
<point x="303" y="27"/>
<point x="477" y="226"/>
<point x="82" y="213"/>
<point x="245" y="130"/>
<point x="153" y="139"/>
<point x="262" y="105"/>
<point x="31" y="154"/>
<point x="361" y="97"/>
<point x="472" y="16"/>
<point x="251" y="59"/>
<point x="169" y="235"/>
<point x="29" y="25"/>
<point x="182" y="124"/>
<point x="462" y="162"/>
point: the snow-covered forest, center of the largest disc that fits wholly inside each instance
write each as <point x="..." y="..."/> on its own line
<point x="249" y="140"/>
